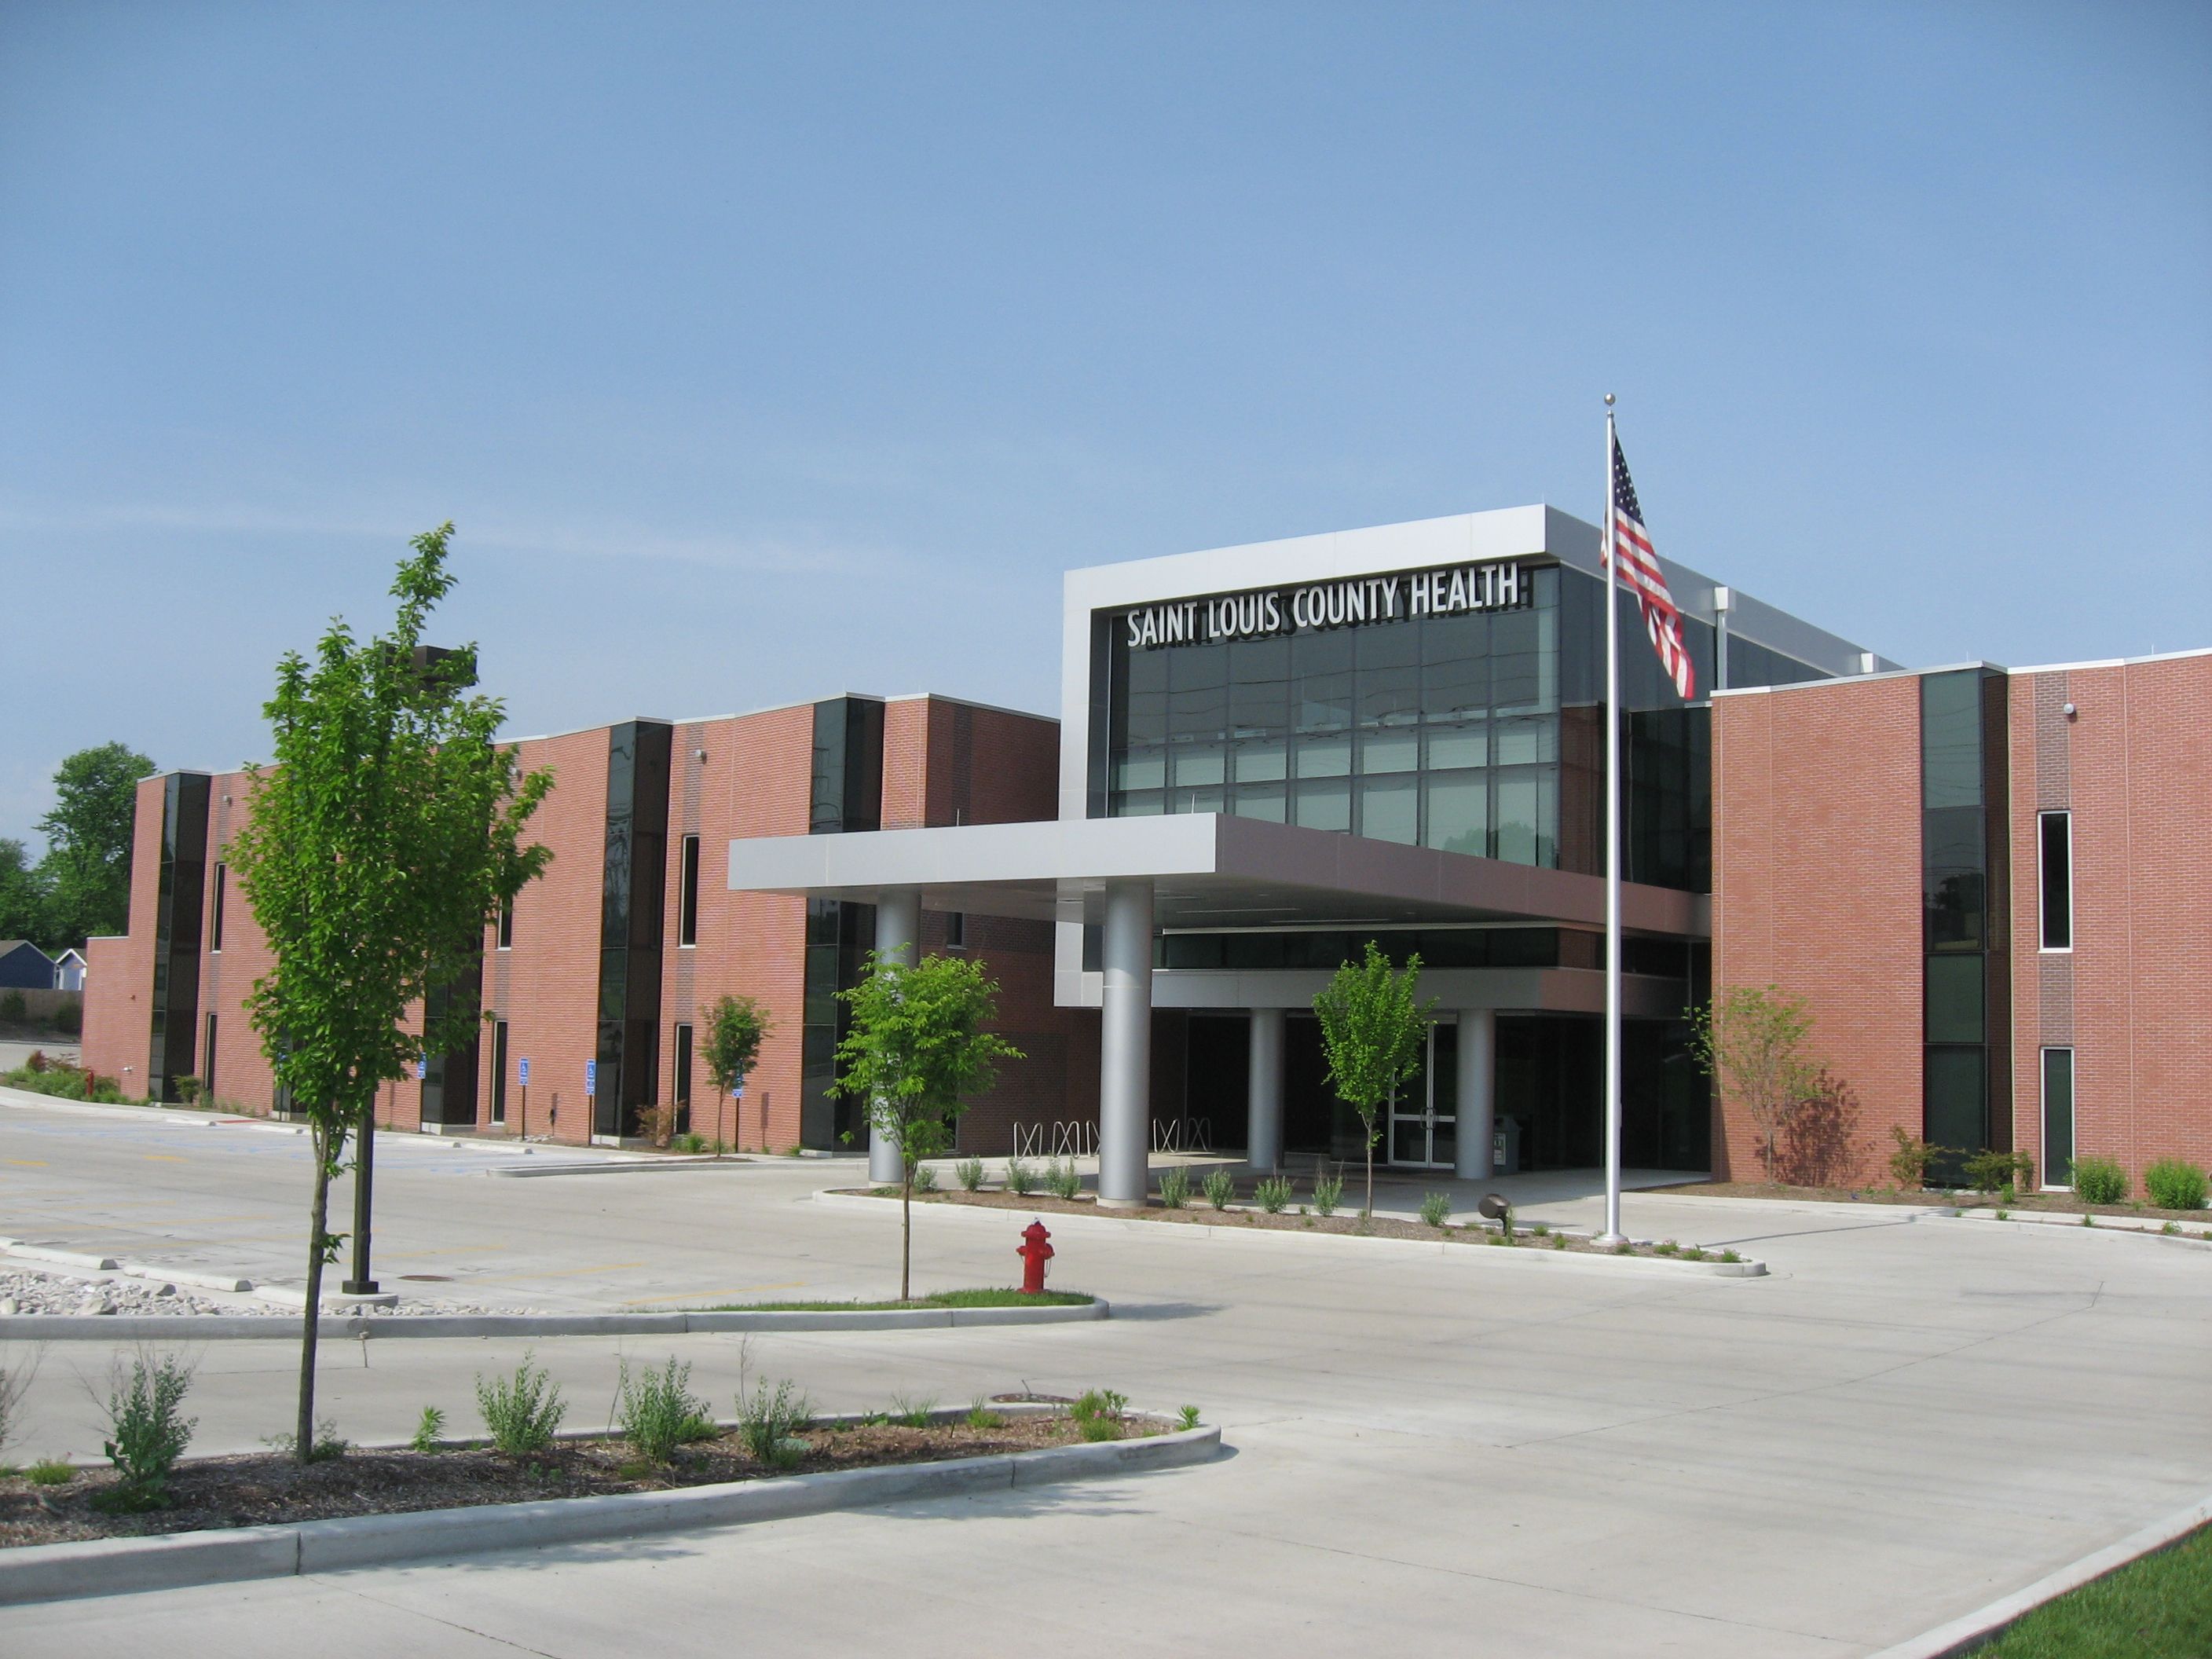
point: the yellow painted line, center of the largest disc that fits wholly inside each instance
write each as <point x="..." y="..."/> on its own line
<point x="417" y="1256"/>
<point x="164" y="1158"/>
<point x="735" y="1289"/>
<point x="28" y="1162"/>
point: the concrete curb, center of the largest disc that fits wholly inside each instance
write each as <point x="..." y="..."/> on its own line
<point x="2109" y="1226"/>
<point x="276" y="1328"/>
<point x="1963" y="1635"/>
<point x="1537" y="1253"/>
<point x="113" y="1566"/>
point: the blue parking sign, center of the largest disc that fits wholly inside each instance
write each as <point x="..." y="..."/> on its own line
<point x="738" y="1085"/>
<point x="591" y="1077"/>
<point x="522" y="1070"/>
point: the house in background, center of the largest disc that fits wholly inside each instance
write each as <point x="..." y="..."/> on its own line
<point x="69" y="971"/>
<point x="25" y="967"/>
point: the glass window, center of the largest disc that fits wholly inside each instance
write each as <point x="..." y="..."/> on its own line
<point x="1518" y="837"/>
<point x="1196" y="800"/>
<point x="1325" y="806"/>
<point x="1954" y="910"/>
<point x="1522" y="741"/>
<point x="956" y="930"/>
<point x="1389" y="809"/>
<point x="1954" y="999"/>
<point x="2058" y="1117"/>
<point x="1390" y="751"/>
<point x="1451" y="747"/>
<point x="1262" y="800"/>
<point x="215" y="908"/>
<point x="1146" y="768"/>
<point x="682" y="1065"/>
<point x="1955" y="1100"/>
<point x="1458" y="813"/>
<point x="1951" y="739"/>
<point x="687" y="906"/>
<point x="207" y="1060"/>
<point x="1264" y="760"/>
<point x="1198" y="767"/>
<point x="499" y="1071"/>
<point x="1325" y="757"/>
<point x="2056" y="854"/>
<point x="1322" y="678"/>
<point x="506" y="926"/>
<point x="1953" y="838"/>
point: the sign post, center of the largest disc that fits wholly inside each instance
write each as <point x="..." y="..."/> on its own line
<point x="522" y="1076"/>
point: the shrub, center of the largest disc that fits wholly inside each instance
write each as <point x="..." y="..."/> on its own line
<point x="1667" y="1246"/>
<point x="1098" y="1414"/>
<point x="146" y="1434"/>
<point x="37" y="1063"/>
<point x="1991" y="1171"/>
<point x="925" y="1178"/>
<point x="2099" y="1181"/>
<point x="1559" y="1241"/>
<point x="913" y="1414"/>
<point x="188" y="1090"/>
<point x="1220" y="1187"/>
<point x="1021" y="1179"/>
<point x="327" y="1445"/>
<point x="1060" y="1179"/>
<point x="970" y="1172"/>
<point x="429" y="1429"/>
<point x="523" y="1413"/>
<point x="1908" y="1164"/>
<point x="1328" y="1189"/>
<point x="1175" y="1188"/>
<point x="769" y="1420"/>
<point x="1731" y="1255"/>
<point x="2173" y="1183"/>
<point x="50" y="1472"/>
<point x="691" y="1141"/>
<point x="657" y="1121"/>
<point x="659" y="1411"/>
<point x="981" y="1416"/>
<point x="11" y="1006"/>
<point x="1187" y="1418"/>
<point x="68" y="1015"/>
<point x="1275" y="1193"/>
<point x="1436" y="1208"/>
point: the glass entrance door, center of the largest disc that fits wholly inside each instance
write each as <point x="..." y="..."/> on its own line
<point x="1423" y="1117"/>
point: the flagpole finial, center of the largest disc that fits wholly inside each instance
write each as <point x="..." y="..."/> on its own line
<point x="1608" y="400"/>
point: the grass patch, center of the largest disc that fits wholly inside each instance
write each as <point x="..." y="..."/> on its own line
<point x="1007" y="1297"/>
<point x="2159" y="1608"/>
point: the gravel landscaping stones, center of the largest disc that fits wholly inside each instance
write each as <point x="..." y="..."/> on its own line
<point x="24" y="1291"/>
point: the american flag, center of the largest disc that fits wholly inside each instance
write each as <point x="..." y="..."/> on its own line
<point x="1639" y="569"/>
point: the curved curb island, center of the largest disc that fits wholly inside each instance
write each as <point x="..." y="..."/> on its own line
<point x="277" y="1328"/>
<point x="114" y="1566"/>
<point x="1527" y="1253"/>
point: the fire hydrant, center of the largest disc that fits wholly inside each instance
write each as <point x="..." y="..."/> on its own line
<point x="1034" y="1252"/>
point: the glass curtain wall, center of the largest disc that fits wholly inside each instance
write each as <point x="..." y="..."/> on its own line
<point x="1480" y="733"/>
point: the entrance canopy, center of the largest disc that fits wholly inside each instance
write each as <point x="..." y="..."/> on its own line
<point x="1207" y="871"/>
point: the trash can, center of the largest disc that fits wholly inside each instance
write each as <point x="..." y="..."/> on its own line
<point x="1505" y="1147"/>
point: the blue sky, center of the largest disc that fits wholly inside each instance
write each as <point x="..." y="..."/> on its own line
<point x="764" y="352"/>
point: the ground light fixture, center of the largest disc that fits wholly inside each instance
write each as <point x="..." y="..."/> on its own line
<point x="1495" y="1206"/>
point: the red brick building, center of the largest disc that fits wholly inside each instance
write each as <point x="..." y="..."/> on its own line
<point x="1994" y="888"/>
<point x="668" y="797"/>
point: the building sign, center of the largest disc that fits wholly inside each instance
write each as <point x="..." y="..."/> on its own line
<point x="1350" y="602"/>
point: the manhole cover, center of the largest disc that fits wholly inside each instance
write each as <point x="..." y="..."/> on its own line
<point x="429" y="1278"/>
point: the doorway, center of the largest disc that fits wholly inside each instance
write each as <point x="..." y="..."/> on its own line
<point x="1423" y="1121"/>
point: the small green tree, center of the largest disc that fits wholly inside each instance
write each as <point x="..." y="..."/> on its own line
<point x="1371" y="1031"/>
<point x="1751" y="1041"/>
<point x="917" y="1045"/>
<point x="383" y="839"/>
<point x="735" y="1031"/>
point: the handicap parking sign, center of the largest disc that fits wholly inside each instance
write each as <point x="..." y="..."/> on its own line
<point x="591" y="1077"/>
<point x="522" y="1070"/>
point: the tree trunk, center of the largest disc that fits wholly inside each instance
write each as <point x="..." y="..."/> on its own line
<point x="304" y="1445"/>
<point x="1370" y="1210"/>
<point x="906" y="1233"/>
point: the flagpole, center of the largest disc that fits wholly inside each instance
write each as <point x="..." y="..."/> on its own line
<point x="1612" y="1235"/>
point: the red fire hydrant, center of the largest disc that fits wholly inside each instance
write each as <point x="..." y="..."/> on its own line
<point x="1035" y="1251"/>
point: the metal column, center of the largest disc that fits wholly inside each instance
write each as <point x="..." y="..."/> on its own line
<point x="898" y="927"/>
<point x="1125" y="1048"/>
<point x="1478" y="1092"/>
<point x="1263" y="1134"/>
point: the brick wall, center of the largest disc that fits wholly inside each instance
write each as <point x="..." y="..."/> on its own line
<point x="2133" y="998"/>
<point x="1817" y="890"/>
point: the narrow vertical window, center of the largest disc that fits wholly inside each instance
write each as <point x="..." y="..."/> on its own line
<point x="687" y="906"/>
<point x="2055" y="852"/>
<point x="956" y="930"/>
<point x="215" y="908"/>
<point x="682" y="1065"/>
<point x="207" y="1060"/>
<point x="499" y="1071"/>
<point x="2058" y="1117"/>
<point x="506" y="926"/>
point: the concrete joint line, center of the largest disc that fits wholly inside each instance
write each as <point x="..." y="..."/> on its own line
<point x="2106" y="1227"/>
<point x="1527" y="1254"/>
<point x="276" y="1328"/>
<point x="1962" y="1636"/>
<point x="115" y="1566"/>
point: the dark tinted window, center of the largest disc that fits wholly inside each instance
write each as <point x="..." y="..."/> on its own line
<point x="2057" y="859"/>
<point x="687" y="919"/>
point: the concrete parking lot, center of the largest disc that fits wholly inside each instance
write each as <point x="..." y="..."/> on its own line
<point x="1904" y="1421"/>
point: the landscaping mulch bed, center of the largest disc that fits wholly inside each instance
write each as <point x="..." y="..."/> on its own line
<point x="2057" y="1203"/>
<point x="267" y="1488"/>
<point x="1200" y="1213"/>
